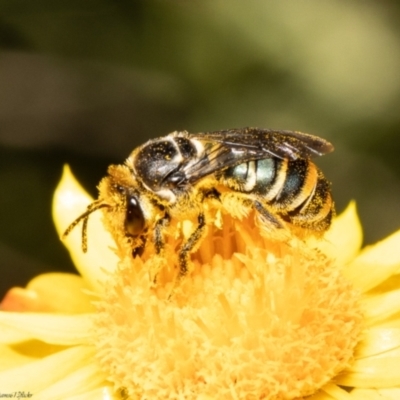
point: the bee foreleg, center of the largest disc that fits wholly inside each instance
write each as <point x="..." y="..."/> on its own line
<point x="158" y="232"/>
<point x="211" y="194"/>
<point x="266" y="215"/>
<point x="139" y="249"/>
<point x="190" y="244"/>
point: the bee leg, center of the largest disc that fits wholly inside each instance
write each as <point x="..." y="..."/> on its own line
<point x="212" y="194"/>
<point x="138" y="251"/>
<point x="158" y="239"/>
<point x="190" y="244"/>
<point x="158" y="232"/>
<point x="266" y="215"/>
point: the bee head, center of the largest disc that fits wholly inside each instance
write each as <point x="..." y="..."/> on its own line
<point x="125" y="217"/>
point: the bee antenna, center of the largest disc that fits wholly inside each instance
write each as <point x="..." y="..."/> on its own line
<point x="85" y="217"/>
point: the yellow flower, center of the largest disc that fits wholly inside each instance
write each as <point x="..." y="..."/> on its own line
<point x="263" y="315"/>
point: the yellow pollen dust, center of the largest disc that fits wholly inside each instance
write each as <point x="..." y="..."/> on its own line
<point x="260" y="315"/>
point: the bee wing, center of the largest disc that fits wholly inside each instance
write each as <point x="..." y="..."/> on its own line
<point x="224" y="149"/>
<point x="264" y="142"/>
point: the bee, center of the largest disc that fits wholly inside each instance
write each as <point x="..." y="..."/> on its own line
<point x="173" y="176"/>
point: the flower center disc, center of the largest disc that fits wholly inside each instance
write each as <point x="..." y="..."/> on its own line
<point x="259" y="316"/>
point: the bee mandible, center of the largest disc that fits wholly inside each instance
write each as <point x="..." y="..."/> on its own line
<point x="172" y="176"/>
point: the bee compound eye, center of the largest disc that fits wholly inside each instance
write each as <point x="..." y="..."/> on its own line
<point x="134" y="218"/>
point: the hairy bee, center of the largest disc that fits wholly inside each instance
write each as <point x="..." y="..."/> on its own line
<point x="172" y="176"/>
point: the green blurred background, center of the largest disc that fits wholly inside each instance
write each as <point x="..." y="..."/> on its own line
<point x="85" y="82"/>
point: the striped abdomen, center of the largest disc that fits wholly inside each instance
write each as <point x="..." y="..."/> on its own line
<point x="295" y="190"/>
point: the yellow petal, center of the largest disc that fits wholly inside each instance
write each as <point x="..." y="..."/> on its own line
<point x="372" y="373"/>
<point x="368" y="394"/>
<point x="47" y="327"/>
<point x="392" y="283"/>
<point x="11" y="358"/>
<point x="390" y="393"/>
<point x="321" y="395"/>
<point x="102" y="393"/>
<point x="23" y="300"/>
<point x="11" y="334"/>
<point x="39" y="375"/>
<point x="380" y="307"/>
<point x="335" y="392"/>
<point x="391" y="322"/>
<point x="82" y="380"/>
<point x="375" y="263"/>
<point x="50" y="292"/>
<point x="378" y="340"/>
<point x="66" y="293"/>
<point x="344" y="238"/>
<point x="70" y="200"/>
<point x="36" y="349"/>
